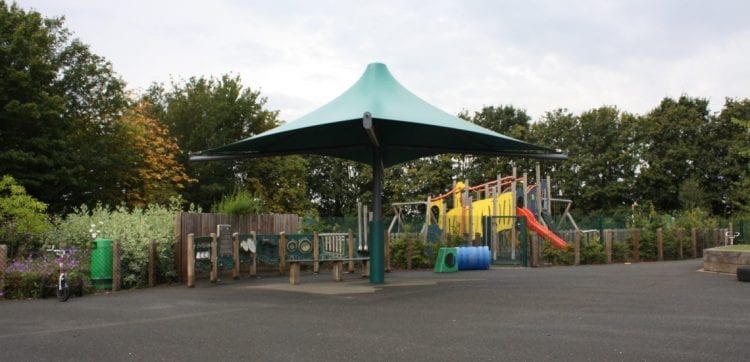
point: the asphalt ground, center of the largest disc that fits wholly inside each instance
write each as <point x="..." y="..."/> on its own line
<point x="668" y="311"/>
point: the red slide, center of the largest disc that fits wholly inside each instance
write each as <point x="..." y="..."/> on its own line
<point x="538" y="228"/>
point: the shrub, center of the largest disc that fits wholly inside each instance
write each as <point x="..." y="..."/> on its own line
<point x="134" y="229"/>
<point x="24" y="276"/>
<point x="422" y="254"/>
<point x="241" y="202"/>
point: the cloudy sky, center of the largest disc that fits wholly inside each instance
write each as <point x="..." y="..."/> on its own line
<point x="457" y="55"/>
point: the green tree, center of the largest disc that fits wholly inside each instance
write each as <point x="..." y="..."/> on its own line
<point x="204" y="113"/>
<point x="731" y="179"/>
<point x="22" y="217"/>
<point x="59" y="114"/>
<point x="674" y="146"/>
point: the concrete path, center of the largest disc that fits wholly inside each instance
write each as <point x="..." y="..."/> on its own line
<point x="666" y="311"/>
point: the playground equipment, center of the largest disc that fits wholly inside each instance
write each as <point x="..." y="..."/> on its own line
<point x="492" y="214"/>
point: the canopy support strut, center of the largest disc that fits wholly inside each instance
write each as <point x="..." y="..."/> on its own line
<point x="377" y="247"/>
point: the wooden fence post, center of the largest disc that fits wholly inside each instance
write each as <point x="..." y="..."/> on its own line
<point x="151" y="263"/>
<point x="282" y="253"/>
<point x="636" y="245"/>
<point x="214" y="258"/>
<point x="694" y="241"/>
<point x="350" y="246"/>
<point x="577" y="248"/>
<point x="236" y="256"/>
<point x="316" y="253"/>
<point x="116" y="273"/>
<point x="608" y="245"/>
<point x="3" y="265"/>
<point x="535" y="251"/>
<point x="191" y="260"/>
<point x="659" y="244"/>
<point x="680" y="242"/>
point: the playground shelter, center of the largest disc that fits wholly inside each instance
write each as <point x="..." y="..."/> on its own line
<point x="379" y="122"/>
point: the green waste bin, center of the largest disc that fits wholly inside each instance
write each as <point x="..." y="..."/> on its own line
<point x="101" y="263"/>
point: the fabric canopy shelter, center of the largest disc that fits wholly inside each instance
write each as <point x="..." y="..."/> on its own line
<point x="379" y="122"/>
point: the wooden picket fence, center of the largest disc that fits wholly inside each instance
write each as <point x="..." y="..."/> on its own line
<point x="205" y="224"/>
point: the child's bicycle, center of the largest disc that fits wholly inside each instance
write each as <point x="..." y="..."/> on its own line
<point x="62" y="290"/>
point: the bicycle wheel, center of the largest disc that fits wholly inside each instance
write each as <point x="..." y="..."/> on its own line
<point x="63" y="291"/>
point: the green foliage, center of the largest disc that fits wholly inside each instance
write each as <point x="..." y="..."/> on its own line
<point x="593" y="253"/>
<point x="60" y="106"/>
<point x="22" y="217"/>
<point x="241" y="202"/>
<point x="22" y="285"/>
<point x="203" y="113"/>
<point x="556" y="256"/>
<point x="422" y="254"/>
<point x="134" y="229"/>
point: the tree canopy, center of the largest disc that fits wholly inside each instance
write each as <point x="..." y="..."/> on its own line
<point x="73" y="135"/>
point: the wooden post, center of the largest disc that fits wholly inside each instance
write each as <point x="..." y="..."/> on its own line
<point x="151" y="263"/>
<point x="116" y="274"/>
<point x="660" y="244"/>
<point x="316" y="253"/>
<point x="3" y="265"/>
<point x="535" y="245"/>
<point x="294" y="273"/>
<point x="350" y="246"/>
<point x="191" y="260"/>
<point x="214" y="258"/>
<point x="254" y="265"/>
<point x="680" y="242"/>
<point x="282" y="252"/>
<point x="608" y="245"/>
<point x="694" y="241"/>
<point x="236" y="256"/>
<point x="338" y="270"/>
<point x="577" y="248"/>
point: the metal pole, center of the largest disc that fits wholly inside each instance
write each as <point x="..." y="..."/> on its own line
<point x="377" y="251"/>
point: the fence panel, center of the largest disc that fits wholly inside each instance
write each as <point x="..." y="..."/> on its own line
<point x="202" y="224"/>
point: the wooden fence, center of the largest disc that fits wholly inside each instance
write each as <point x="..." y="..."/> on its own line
<point x="203" y="224"/>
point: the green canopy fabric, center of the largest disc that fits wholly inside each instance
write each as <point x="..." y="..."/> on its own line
<point x="405" y="126"/>
<point x="377" y="121"/>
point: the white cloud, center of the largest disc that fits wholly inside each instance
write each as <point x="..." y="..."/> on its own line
<point x="458" y="55"/>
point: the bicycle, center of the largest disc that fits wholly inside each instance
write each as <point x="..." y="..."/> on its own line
<point x="62" y="289"/>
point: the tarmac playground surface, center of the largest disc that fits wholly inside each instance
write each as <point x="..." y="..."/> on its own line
<point x="666" y="311"/>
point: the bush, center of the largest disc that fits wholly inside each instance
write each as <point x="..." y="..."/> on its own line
<point x="134" y="229"/>
<point x="241" y="202"/>
<point x="422" y="254"/>
<point x="556" y="256"/>
<point x="24" y="276"/>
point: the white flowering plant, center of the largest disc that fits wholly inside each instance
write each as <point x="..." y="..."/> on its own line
<point x="96" y="230"/>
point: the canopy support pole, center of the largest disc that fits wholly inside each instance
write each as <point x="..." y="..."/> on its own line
<point x="377" y="247"/>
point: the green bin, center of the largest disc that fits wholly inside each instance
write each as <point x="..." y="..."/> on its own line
<point x="101" y="263"/>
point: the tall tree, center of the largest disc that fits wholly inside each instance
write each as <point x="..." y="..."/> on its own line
<point x="672" y="140"/>
<point x="59" y="106"/>
<point x="203" y="113"/>
<point x="732" y="178"/>
<point x="158" y="175"/>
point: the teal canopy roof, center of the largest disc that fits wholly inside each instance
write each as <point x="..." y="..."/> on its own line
<point x="405" y="128"/>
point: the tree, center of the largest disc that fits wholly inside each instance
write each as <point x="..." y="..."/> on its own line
<point x="673" y="140"/>
<point x="205" y="113"/>
<point x="159" y="176"/>
<point x="21" y="216"/>
<point x="59" y="114"/>
<point x="735" y="169"/>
